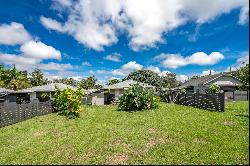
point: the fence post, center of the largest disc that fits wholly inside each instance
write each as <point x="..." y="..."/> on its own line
<point x="247" y="95"/>
<point x="194" y="100"/>
<point x="222" y="98"/>
<point x="233" y="96"/>
<point x="185" y="99"/>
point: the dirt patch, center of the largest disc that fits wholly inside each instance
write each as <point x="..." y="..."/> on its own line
<point x="152" y="130"/>
<point x="117" y="159"/>
<point x="200" y="141"/>
<point x="115" y="142"/>
<point x="229" y="123"/>
<point x="155" y="142"/>
<point x="39" y="134"/>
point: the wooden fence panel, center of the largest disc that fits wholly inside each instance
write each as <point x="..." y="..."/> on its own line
<point x="11" y="113"/>
<point x="214" y="102"/>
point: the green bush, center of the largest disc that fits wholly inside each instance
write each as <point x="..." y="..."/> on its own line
<point x="137" y="98"/>
<point x="68" y="102"/>
<point x="214" y="88"/>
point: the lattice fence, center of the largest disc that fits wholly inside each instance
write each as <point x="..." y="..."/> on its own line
<point x="214" y="102"/>
<point x="11" y="113"/>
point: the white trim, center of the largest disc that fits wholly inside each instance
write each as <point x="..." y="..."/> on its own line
<point x="219" y="77"/>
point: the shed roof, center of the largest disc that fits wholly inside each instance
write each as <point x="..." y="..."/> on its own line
<point x="47" y="88"/>
<point x="125" y="84"/>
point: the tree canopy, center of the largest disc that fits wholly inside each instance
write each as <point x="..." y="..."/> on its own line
<point x="113" y="81"/>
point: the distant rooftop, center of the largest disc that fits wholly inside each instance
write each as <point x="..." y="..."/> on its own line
<point x="125" y="84"/>
<point x="48" y="88"/>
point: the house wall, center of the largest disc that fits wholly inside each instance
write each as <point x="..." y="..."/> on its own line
<point x="117" y="92"/>
<point x="200" y="89"/>
<point x="97" y="98"/>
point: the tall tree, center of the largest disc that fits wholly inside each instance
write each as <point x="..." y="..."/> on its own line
<point x="37" y="78"/>
<point x="145" y="76"/>
<point x="89" y="83"/>
<point x="169" y="81"/>
<point x="14" y="79"/>
<point x="113" y="81"/>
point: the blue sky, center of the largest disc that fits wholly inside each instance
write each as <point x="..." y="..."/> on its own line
<point x="109" y="39"/>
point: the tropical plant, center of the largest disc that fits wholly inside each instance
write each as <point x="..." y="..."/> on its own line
<point x="13" y="78"/>
<point x="214" y="88"/>
<point x="68" y="102"/>
<point x="137" y="98"/>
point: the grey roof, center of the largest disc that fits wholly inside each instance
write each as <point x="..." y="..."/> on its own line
<point x="5" y="90"/>
<point x="203" y="80"/>
<point x="48" y="88"/>
<point x="125" y="84"/>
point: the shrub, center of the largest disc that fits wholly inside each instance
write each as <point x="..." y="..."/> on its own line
<point x="137" y="98"/>
<point x="214" y="88"/>
<point x="68" y="102"/>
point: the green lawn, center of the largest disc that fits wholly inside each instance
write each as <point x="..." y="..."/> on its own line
<point x="171" y="134"/>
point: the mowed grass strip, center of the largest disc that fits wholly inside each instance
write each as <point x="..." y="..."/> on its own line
<point x="170" y="134"/>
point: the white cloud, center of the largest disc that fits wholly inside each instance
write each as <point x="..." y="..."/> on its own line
<point x="181" y="78"/>
<point x="39" y="50"/>
<point x="207" y="72"/>
<point x="200" y="58"/>
<point x="18" y="60"/>
<point x="102" y="72"/>
<point x="13" y="34"/>
<point x="86" y="63"/>
<point x="132" y="65"/>
<point x="55" y="66"/>
<point x="116" y="57"/>
<point x="97" y="24"/>
<point x="157" y="70"/>
<point x="241" y="61"/>
<point x="207" y="10"/>
<point x="127" y="68"/>
<point x="118" y="72"/>
<point x="52" y="24"/>
<point x="244" y="15"/>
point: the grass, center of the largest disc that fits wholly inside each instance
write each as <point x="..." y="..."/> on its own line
<point x="170" y="134"/>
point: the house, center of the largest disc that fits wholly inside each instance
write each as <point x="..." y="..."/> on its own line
<point x="225" y="80"/>
<point x="110" y="93"/>
<point x="116" y="90"/>
<point x="4" y="94"/>
<point x="33" y="93"/>
<point x="37" y="92"/>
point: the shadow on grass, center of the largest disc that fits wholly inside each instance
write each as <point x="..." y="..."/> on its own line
<point x="245" y="116"/>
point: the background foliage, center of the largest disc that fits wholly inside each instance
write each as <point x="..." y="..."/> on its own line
<point x="137" y="98"/>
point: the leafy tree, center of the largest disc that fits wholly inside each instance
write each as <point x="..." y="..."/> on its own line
<point x="214" y="88"/>
<point x="137" y="98"/>
<point x="68" y="81"/>
<point x="243" y="74"/>
<point x="89" y="83"/>
<point x="14" y="79"/>
<point x="169" y="81"/>
<point x="145" y="76"/>
<point x="113" y="81"/>
<point x="37" y="78"/>
<point x="68" y="102"/>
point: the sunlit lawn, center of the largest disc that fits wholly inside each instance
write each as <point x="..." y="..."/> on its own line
<point x="170" y="134"/>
